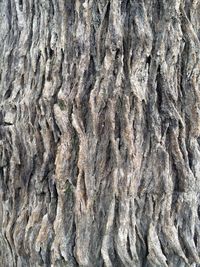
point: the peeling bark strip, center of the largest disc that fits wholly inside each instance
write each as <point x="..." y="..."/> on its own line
<point x="99" y="133"/>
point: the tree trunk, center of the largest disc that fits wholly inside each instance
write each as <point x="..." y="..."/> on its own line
<point x="99" y="133"/>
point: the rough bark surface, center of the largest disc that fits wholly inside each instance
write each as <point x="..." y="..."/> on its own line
<point x="99" y="133"/>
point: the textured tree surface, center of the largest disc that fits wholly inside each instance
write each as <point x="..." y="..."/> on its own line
<point x="99" y="133"/>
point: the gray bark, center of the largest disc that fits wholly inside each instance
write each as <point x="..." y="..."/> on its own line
<point x="99" y="133"/>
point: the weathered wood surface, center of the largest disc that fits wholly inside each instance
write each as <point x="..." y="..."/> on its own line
<point x="99" y="133"/>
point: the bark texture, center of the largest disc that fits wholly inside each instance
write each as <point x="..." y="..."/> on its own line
<point x="99" y="133"/>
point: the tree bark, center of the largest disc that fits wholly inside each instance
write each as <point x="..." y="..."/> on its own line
<point x="99" y="133"/>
